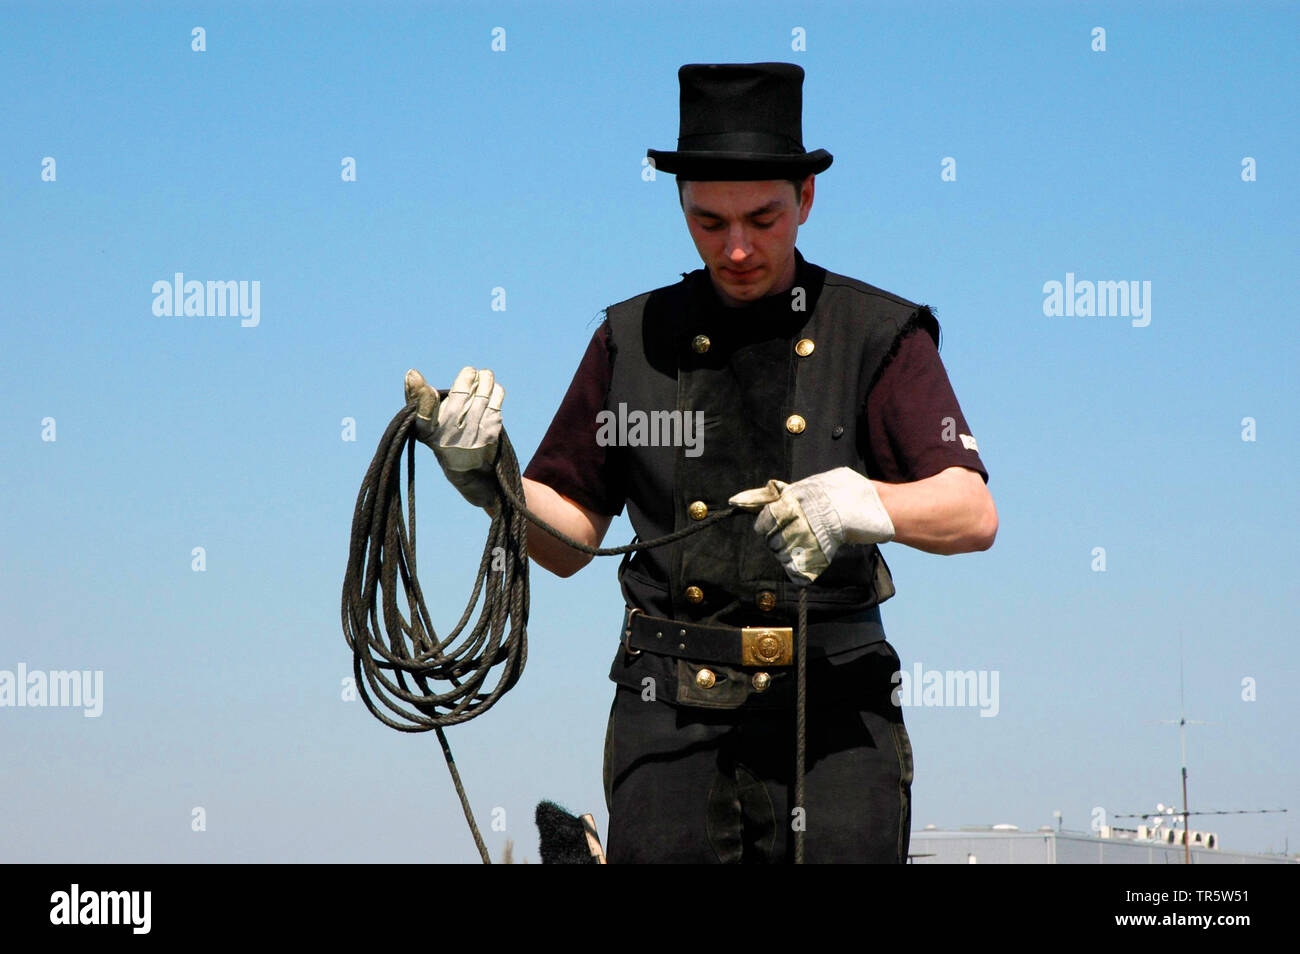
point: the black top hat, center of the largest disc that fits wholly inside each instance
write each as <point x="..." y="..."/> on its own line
<point x="741" y="121"/>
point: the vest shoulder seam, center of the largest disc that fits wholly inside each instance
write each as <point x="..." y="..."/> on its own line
<point x="864" y="288"/>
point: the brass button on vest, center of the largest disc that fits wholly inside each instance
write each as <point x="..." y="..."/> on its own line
<point x="804" y="347"/>
<point x="766" y="600"/>
<point x="705" y="679"/>
<point x="698" y="510"/>
<point x="795" y="424"/>
<point x="700" y="344"/>
<point x="694" y="594"/>
<point x="760" y="681"/>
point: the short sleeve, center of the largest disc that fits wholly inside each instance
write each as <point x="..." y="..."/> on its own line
<point x="915" y="427"/>
<point x="569" y="459"/>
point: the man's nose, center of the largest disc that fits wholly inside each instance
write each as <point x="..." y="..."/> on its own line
<point x="738" y="247"/>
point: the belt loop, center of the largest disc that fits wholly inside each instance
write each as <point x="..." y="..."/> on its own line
<point x="622" y="564"/>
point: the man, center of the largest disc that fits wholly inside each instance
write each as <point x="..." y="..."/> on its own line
<point x="817" y="402"/>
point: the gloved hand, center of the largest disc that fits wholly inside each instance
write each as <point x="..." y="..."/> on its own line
<point x="465" y="435"/>
<point x="807" y="521"/>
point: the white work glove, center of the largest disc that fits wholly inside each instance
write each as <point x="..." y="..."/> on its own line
<point x="466" y="433"/>
<point x="807" y="521"/>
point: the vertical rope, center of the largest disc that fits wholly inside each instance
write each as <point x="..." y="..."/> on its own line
<point x="801" y="727"/>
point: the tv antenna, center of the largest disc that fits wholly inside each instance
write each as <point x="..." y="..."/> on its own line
<point x="1161" y="811"/>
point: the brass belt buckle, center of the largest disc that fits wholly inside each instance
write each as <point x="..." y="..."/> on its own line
<point x="766" y="646"/>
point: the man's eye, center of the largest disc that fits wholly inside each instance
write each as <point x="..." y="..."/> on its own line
<point x="716" y="226"/>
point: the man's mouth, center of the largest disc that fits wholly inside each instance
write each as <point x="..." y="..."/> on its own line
<point x="741" y="273"/>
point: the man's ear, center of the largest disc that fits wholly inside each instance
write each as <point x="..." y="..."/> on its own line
<point x="806" y="198"/>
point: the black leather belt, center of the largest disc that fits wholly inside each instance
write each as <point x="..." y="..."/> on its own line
<point x="769" y="646"/>
<point x="748" y="645"/>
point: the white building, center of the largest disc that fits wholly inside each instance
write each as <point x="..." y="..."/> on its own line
<point x="1007" y="844"/>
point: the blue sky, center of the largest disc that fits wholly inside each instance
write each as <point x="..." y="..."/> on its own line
<point x="521" y="169"/>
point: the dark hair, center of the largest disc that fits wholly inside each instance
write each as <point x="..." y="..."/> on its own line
<point x="797" y="183"/>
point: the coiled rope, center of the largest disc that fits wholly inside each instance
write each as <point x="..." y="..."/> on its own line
<point x="382" y="548"/>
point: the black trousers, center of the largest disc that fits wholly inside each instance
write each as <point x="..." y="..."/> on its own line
<point x="695" y="785"/>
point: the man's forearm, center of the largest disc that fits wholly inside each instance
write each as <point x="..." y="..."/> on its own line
<point x="569" y="518"/>
<point x="951" y="512"/>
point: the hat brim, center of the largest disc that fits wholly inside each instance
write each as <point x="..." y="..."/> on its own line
<point x="739" y="167"/>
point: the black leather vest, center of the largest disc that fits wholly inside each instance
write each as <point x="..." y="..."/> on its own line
<point x="780" y="387"/>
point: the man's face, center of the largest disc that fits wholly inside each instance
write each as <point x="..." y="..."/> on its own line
<point x="745" y="233"/>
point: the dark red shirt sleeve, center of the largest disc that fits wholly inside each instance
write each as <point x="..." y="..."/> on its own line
<point x="915" y="427"/>
<point x="569" y="460"/>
